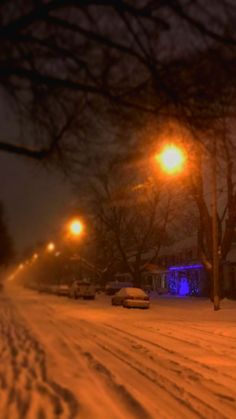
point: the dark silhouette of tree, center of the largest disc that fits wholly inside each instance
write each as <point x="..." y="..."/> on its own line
<point x="201" y="191"/>
<point x="130" y="219"/>
<point x="64" y="63"/>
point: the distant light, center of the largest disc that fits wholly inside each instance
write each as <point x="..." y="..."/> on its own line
<point x="21" y="266"/>
<point x="57" y="254"/>
<point x="51" y="247"/>
<point x="76" y="227"/>
<point x="35" y="256"/>
<point x="171" y="159"/>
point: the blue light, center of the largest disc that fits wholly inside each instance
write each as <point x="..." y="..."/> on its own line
<point x="184" y="287"/>
<point x="181" y="281"/>
<point x="185" y="267"/>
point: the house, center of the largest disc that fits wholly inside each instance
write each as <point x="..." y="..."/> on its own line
<point x="184" y="273"/>
<point x="155" y="278"/>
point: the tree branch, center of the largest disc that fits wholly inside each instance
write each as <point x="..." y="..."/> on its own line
<point x="176" y="7"/>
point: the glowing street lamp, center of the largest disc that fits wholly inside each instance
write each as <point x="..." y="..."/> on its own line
<point x="171" y="159"/>
<point x="76" y="228"/>
<point x="50" y="247"/>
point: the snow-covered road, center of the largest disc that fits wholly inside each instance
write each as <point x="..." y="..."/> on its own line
<point x="87" y="359"/>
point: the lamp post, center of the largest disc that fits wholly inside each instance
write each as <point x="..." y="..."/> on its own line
<point x="215" y="255"/>
<point x="172" y="160"/>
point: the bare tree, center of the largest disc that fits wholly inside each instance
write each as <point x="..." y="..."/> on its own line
<point x="63" y="62"/>
<point x="221" y="137"/>
<point x="131" y="218"/>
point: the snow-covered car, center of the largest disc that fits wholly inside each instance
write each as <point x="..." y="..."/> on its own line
<point x="81" y="289"/>
<point x="62" y="289"/>
<point x="131" y="297"/>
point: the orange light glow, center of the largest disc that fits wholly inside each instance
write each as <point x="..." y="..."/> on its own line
<point x="76" y="227"/>
<point x="172" y="159"/>
<point x="51" y="247"/>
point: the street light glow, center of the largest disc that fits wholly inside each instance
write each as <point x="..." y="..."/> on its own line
<point x="50" y="247"/>
<point x="171" y="159"/>
<point x="76" y="227"/>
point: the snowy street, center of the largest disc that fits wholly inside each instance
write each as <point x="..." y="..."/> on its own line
<point x="62" y="358"/>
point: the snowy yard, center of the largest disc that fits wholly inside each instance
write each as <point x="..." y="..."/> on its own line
<point x="62" y="358"/>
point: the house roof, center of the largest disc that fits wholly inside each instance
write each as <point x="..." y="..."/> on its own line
<point x="184" y="244"/>
<point x="151" y="267"/>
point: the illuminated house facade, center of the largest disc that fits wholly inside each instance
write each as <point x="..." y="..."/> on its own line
<point x="181" y="271"/>
<point x="178" y="271"/>
<point x="187" y="279"/>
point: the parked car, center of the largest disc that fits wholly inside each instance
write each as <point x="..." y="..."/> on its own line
<point x="62" y="289"/>
<point x="82" y="289"/>
<point x="131" y="297"/>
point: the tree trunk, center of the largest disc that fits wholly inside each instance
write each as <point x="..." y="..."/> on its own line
<point x="221" y="283"/>
<point x="137" y="279"/>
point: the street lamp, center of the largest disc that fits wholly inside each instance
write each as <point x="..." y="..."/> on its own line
<point x="50" y="247"/>
<point x="75" y="227"/>
<point x="172" y="159"/>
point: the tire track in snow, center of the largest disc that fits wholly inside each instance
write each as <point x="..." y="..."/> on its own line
<point x="174" y="353"/>
<point x="170" y="392"/>
<point x="113" y="398"/>
<point x="119" y="391"/>
<point x="156" y="373"/>
<point x="26" y="390"/>
<point x="186" y="335"/>
<point x="195" y="369"/>
<point x="124" y="391"/>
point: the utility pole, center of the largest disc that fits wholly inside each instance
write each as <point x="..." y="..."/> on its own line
<point x="215" y="255"/>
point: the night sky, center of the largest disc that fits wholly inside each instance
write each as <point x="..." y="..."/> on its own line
<point x="35" y="199"/>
